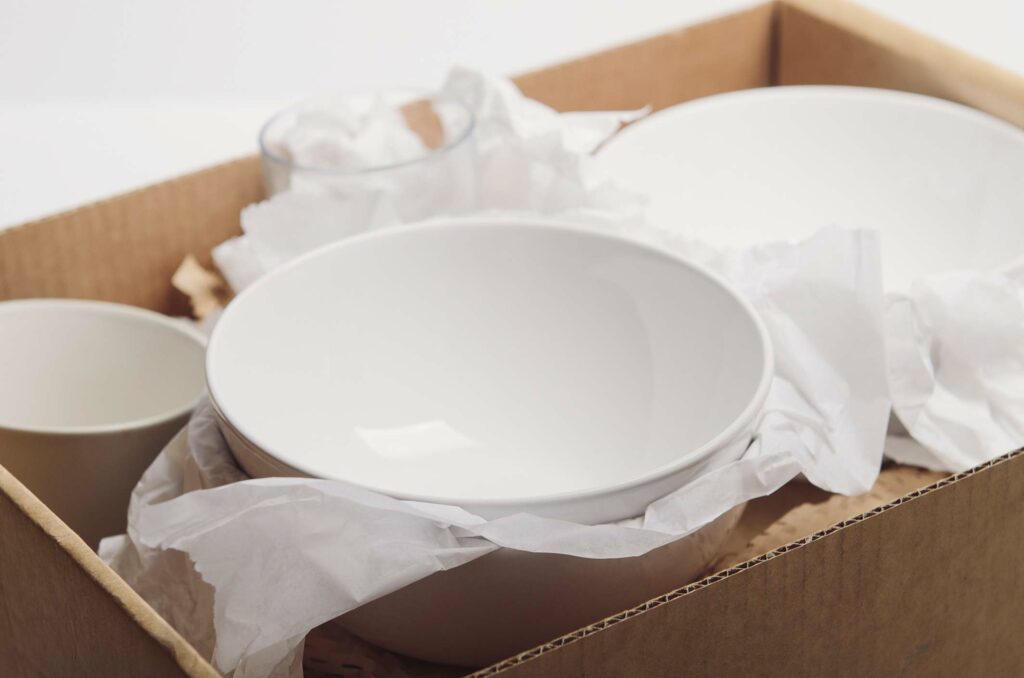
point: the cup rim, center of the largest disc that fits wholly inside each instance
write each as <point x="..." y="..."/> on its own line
<point x="415" y="93"/>
<point x="109" y="308"/>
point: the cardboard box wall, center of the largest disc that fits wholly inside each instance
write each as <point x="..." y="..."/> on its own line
<point x="929" y="585"/>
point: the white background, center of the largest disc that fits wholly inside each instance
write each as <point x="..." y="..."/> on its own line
<point x="102" y="96"/>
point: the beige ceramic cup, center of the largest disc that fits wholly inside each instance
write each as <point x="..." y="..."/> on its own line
<point x="90" y="392"/>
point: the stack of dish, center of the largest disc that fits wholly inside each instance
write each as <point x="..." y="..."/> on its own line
<point x="503" y="367"/>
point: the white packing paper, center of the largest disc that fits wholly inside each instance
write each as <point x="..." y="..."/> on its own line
<point x="350" y="134"/>
<point x="522" y="157"/>
<point x="821" y="300"/>
<point x="956" y="367"/>
<point x="273" y="558"/>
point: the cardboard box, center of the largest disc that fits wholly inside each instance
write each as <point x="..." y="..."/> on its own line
<point x="929" y="584"/>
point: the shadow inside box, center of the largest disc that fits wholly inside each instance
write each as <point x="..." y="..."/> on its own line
<point x="333" y="652"/>
<point x="796" y="511"/>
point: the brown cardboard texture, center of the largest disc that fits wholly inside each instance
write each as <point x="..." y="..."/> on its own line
<point x="926" y="582"/>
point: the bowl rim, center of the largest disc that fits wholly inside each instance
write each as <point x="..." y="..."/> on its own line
<point x="108" y="308"/>
<point x="745" y="419"/>
<point x="827" y="93"/>
<point x="891" y="99"/>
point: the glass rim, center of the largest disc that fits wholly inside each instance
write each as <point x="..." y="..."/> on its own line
<point x="423" y="94"/>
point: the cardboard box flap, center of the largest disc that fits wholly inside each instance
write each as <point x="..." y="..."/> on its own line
<point x="875" y="595"/>
<point x="94" y="622"/>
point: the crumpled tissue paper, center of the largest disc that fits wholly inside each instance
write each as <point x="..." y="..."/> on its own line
<point x="245" y="568"/>
<point x="523" y="156"/>
<point x="955" y="346"/>
<point x="349" y="134"/>
<point x="280" y="556"/>
<point x="821" y="300"/>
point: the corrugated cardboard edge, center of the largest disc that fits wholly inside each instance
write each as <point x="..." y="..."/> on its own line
<point x="717" y="577"/>
<point x="839" y="42"/>
<point x="156" y="634"/>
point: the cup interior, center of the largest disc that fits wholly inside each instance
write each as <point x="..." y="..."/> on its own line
<point x="68" y="365"/>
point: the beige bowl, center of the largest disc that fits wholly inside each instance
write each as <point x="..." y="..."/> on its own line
<point x="92" y="391"/>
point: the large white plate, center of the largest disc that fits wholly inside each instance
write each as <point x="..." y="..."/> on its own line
<point x="943" y="183"/>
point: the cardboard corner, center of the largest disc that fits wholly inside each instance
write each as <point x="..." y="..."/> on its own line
<point x="838" y="42"/>
<point x="56" y="593"/>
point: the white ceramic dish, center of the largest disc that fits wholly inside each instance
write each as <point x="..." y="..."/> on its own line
<point x="942" y="182"/>
<point x="94" y="389"/>
<point x="502" y="366"/>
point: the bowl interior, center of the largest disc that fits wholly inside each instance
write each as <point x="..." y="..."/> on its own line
<point x="469" y="362"/>
<point x="943" y="183"/>
<point x="68" y="364"/>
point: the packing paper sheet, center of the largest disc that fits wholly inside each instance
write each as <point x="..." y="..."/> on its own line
<point x="955" y="346"/>
<point x="245" y="568"/>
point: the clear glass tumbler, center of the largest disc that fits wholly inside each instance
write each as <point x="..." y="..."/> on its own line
<point x="413" y="148"/>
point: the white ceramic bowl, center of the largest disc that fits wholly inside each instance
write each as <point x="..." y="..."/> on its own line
<point x="943" y="183"/>
<point x="91" y="392"/>
<point x="501" y="366"/>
